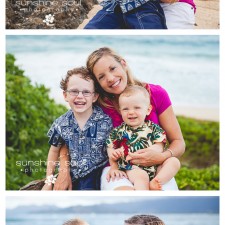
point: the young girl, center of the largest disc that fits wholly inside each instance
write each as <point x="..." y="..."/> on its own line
<point x="135" y="134"/>
<point x="83" y="129"/>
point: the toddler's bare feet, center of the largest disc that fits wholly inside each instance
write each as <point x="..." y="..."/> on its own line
<point x="155" y="184"/>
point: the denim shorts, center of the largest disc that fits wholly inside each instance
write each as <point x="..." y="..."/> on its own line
<point x="89" y="182"/>
<point x="148" y="16"/>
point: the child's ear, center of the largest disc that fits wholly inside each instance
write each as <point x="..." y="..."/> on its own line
<point x="95" y="98"/>
<point x="149" y="110"/>
<point x="65" y="95"/>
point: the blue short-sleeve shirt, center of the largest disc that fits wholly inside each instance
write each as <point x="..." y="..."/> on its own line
<point x="125" y="5"/>
<point x="87" y="147"/>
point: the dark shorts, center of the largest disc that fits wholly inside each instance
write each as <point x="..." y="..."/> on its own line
<point x="89" y="182"/>
<point x="148" y="16"/>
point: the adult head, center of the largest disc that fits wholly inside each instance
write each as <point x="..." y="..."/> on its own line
<point x="144" y="220"/>
<point x="110" y="72"/>
<point x="75" y="221"/>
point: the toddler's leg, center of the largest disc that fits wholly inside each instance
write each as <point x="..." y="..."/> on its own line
<point x="139" y="178"/>
<point x="165" y="172"/>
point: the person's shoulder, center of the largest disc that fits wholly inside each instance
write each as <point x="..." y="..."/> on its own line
<point x="100" y="115"/>
<point x="64" y="117"/>
<point x="156" y="89"/>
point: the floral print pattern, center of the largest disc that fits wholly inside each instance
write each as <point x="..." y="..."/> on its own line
<point x="133" y="140"/>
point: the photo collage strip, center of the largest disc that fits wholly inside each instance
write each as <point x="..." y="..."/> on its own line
<point x="112" y="112"/>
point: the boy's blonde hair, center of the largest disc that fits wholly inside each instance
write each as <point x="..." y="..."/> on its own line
<point x="81" y="71"/>
<point x="75" y="221"/>
<point x="134" y="89"/>
<point x="144" y="220"/>
<point x="93" y="59"/>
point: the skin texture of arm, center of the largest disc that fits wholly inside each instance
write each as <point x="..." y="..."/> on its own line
<point x="51" y="163"/>
<point x="64" y="181"/>
<point x="114" y="172"/>
<point x="150" y="156"/>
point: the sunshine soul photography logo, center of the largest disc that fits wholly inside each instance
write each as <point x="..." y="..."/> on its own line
<point x="45" y="5"/>
<point x="30" y="166"/>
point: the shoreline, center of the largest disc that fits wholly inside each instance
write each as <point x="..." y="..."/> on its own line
<point x="200" y="113"/>
<point x="207" y="14"/>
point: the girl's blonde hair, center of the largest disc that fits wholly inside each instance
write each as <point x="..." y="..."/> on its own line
<point x="93" y="59"/>
<point x="144" y="220"/>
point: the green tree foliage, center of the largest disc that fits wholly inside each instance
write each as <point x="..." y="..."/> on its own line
<point x="198" y="179"/>
<point x="202" y="142"/>
<point x="29" y="114"/>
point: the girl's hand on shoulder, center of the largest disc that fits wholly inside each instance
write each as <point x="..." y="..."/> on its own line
<point x="115" y="174"/>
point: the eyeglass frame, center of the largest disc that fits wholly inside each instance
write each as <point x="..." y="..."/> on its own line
<point x="78" y="92"/>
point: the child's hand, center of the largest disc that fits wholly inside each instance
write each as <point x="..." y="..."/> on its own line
<point x="115" y="174"/>
<point x="117" y="153"/>
<point x="128" y="158"/>
<point x="47" y="187"/>
<point x="63" y="181"/>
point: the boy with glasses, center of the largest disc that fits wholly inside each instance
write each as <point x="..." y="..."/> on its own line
<point x="83" y="129"/>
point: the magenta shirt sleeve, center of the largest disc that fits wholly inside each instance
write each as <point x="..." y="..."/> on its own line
<point x="160" y="101"/>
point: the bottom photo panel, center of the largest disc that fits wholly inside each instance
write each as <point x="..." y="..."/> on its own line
<point x="112" y="210"/>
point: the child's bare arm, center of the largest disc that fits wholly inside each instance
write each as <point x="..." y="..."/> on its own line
<point x="114" y="172"/>
<point x="51" y="164"/>
<point x="64" y="181"/>
<point x="158" y="147"/>
<point x="115" y="154"/>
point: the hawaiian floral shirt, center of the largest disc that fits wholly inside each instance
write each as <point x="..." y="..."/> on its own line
<point x="133" y="140"/>
<point x="125" y="5"/>
<point x="87" y="147"/>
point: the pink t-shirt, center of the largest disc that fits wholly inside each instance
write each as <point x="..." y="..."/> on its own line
<point x="191" y="2"/>
<point x="160" y="101"/>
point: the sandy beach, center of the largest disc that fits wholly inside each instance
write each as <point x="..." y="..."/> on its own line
<point x="209" y="114"/>
<point x="207" y="14"/>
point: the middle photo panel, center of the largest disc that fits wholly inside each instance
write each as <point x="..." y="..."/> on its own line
<point x="112" y="112"/>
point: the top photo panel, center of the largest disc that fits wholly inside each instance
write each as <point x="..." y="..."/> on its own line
<point x="112" y="14"/>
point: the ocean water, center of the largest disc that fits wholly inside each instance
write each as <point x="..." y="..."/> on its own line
<point x="186" y="66"/>
<point x="109" y="219"/>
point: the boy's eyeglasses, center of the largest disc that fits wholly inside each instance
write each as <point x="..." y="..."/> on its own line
<point x="85" y="93"/>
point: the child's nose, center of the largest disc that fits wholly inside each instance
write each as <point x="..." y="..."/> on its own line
<point x="80" y="94"/>
<point x="131" y="111"/>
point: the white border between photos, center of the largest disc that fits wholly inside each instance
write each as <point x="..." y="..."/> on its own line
<point x="22" y="194"/>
